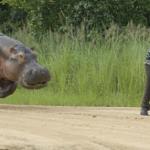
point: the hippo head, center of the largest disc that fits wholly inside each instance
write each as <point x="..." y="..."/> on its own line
<point x="19" y="65"/>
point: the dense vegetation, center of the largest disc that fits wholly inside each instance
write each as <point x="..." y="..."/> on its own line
<point x="107" y="69"/>
<point x="57" y="15"/>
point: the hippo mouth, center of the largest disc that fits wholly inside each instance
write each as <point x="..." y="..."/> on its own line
<point x="35" y="78"/>
<point x="32" y="85"/>
<point x="7" y="88"/>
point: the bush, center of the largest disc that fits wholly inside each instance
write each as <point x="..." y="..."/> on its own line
<point x="102" y="72"/>
<point x="11" y="18"/>
<point x="55" y="15"/>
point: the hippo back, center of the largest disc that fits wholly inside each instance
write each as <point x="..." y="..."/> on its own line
<point x="7" y="42"/>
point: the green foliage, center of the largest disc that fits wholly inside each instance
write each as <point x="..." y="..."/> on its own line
<point x="106" y="71"/>
<point x="42" y="15"/>
<point x="11" y="18"/>
<point x="55" y="15"/>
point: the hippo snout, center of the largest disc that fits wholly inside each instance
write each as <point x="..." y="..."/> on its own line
<point x="36" y="78"/>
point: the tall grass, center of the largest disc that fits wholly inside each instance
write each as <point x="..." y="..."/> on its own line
<point x="108" y="70"/>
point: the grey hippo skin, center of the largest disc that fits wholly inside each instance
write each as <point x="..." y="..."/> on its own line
<point x="18" y="65"/>
<point x="145" y="106"/>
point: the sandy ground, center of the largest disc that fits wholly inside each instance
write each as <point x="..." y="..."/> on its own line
<point x="73" y="128"/>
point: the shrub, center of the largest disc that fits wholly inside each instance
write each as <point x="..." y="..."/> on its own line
<point x="55" y="15"/>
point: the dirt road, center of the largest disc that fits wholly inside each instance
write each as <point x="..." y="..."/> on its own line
<point x="70" y="128"/>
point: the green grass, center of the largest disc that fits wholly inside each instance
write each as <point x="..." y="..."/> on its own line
<point x="103" y="72"/>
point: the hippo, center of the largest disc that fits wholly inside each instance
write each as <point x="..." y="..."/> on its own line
<point x="145" y="105"/>
<point x="18" y="65"/>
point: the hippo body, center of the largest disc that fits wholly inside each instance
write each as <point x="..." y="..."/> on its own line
<point x="18" y="65"/>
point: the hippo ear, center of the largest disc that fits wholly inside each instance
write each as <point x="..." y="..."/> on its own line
<point x="13" y="50"/>
<point x="21" y="57"/>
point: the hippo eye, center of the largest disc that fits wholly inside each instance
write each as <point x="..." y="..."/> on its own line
<point x="13" y="50"/>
